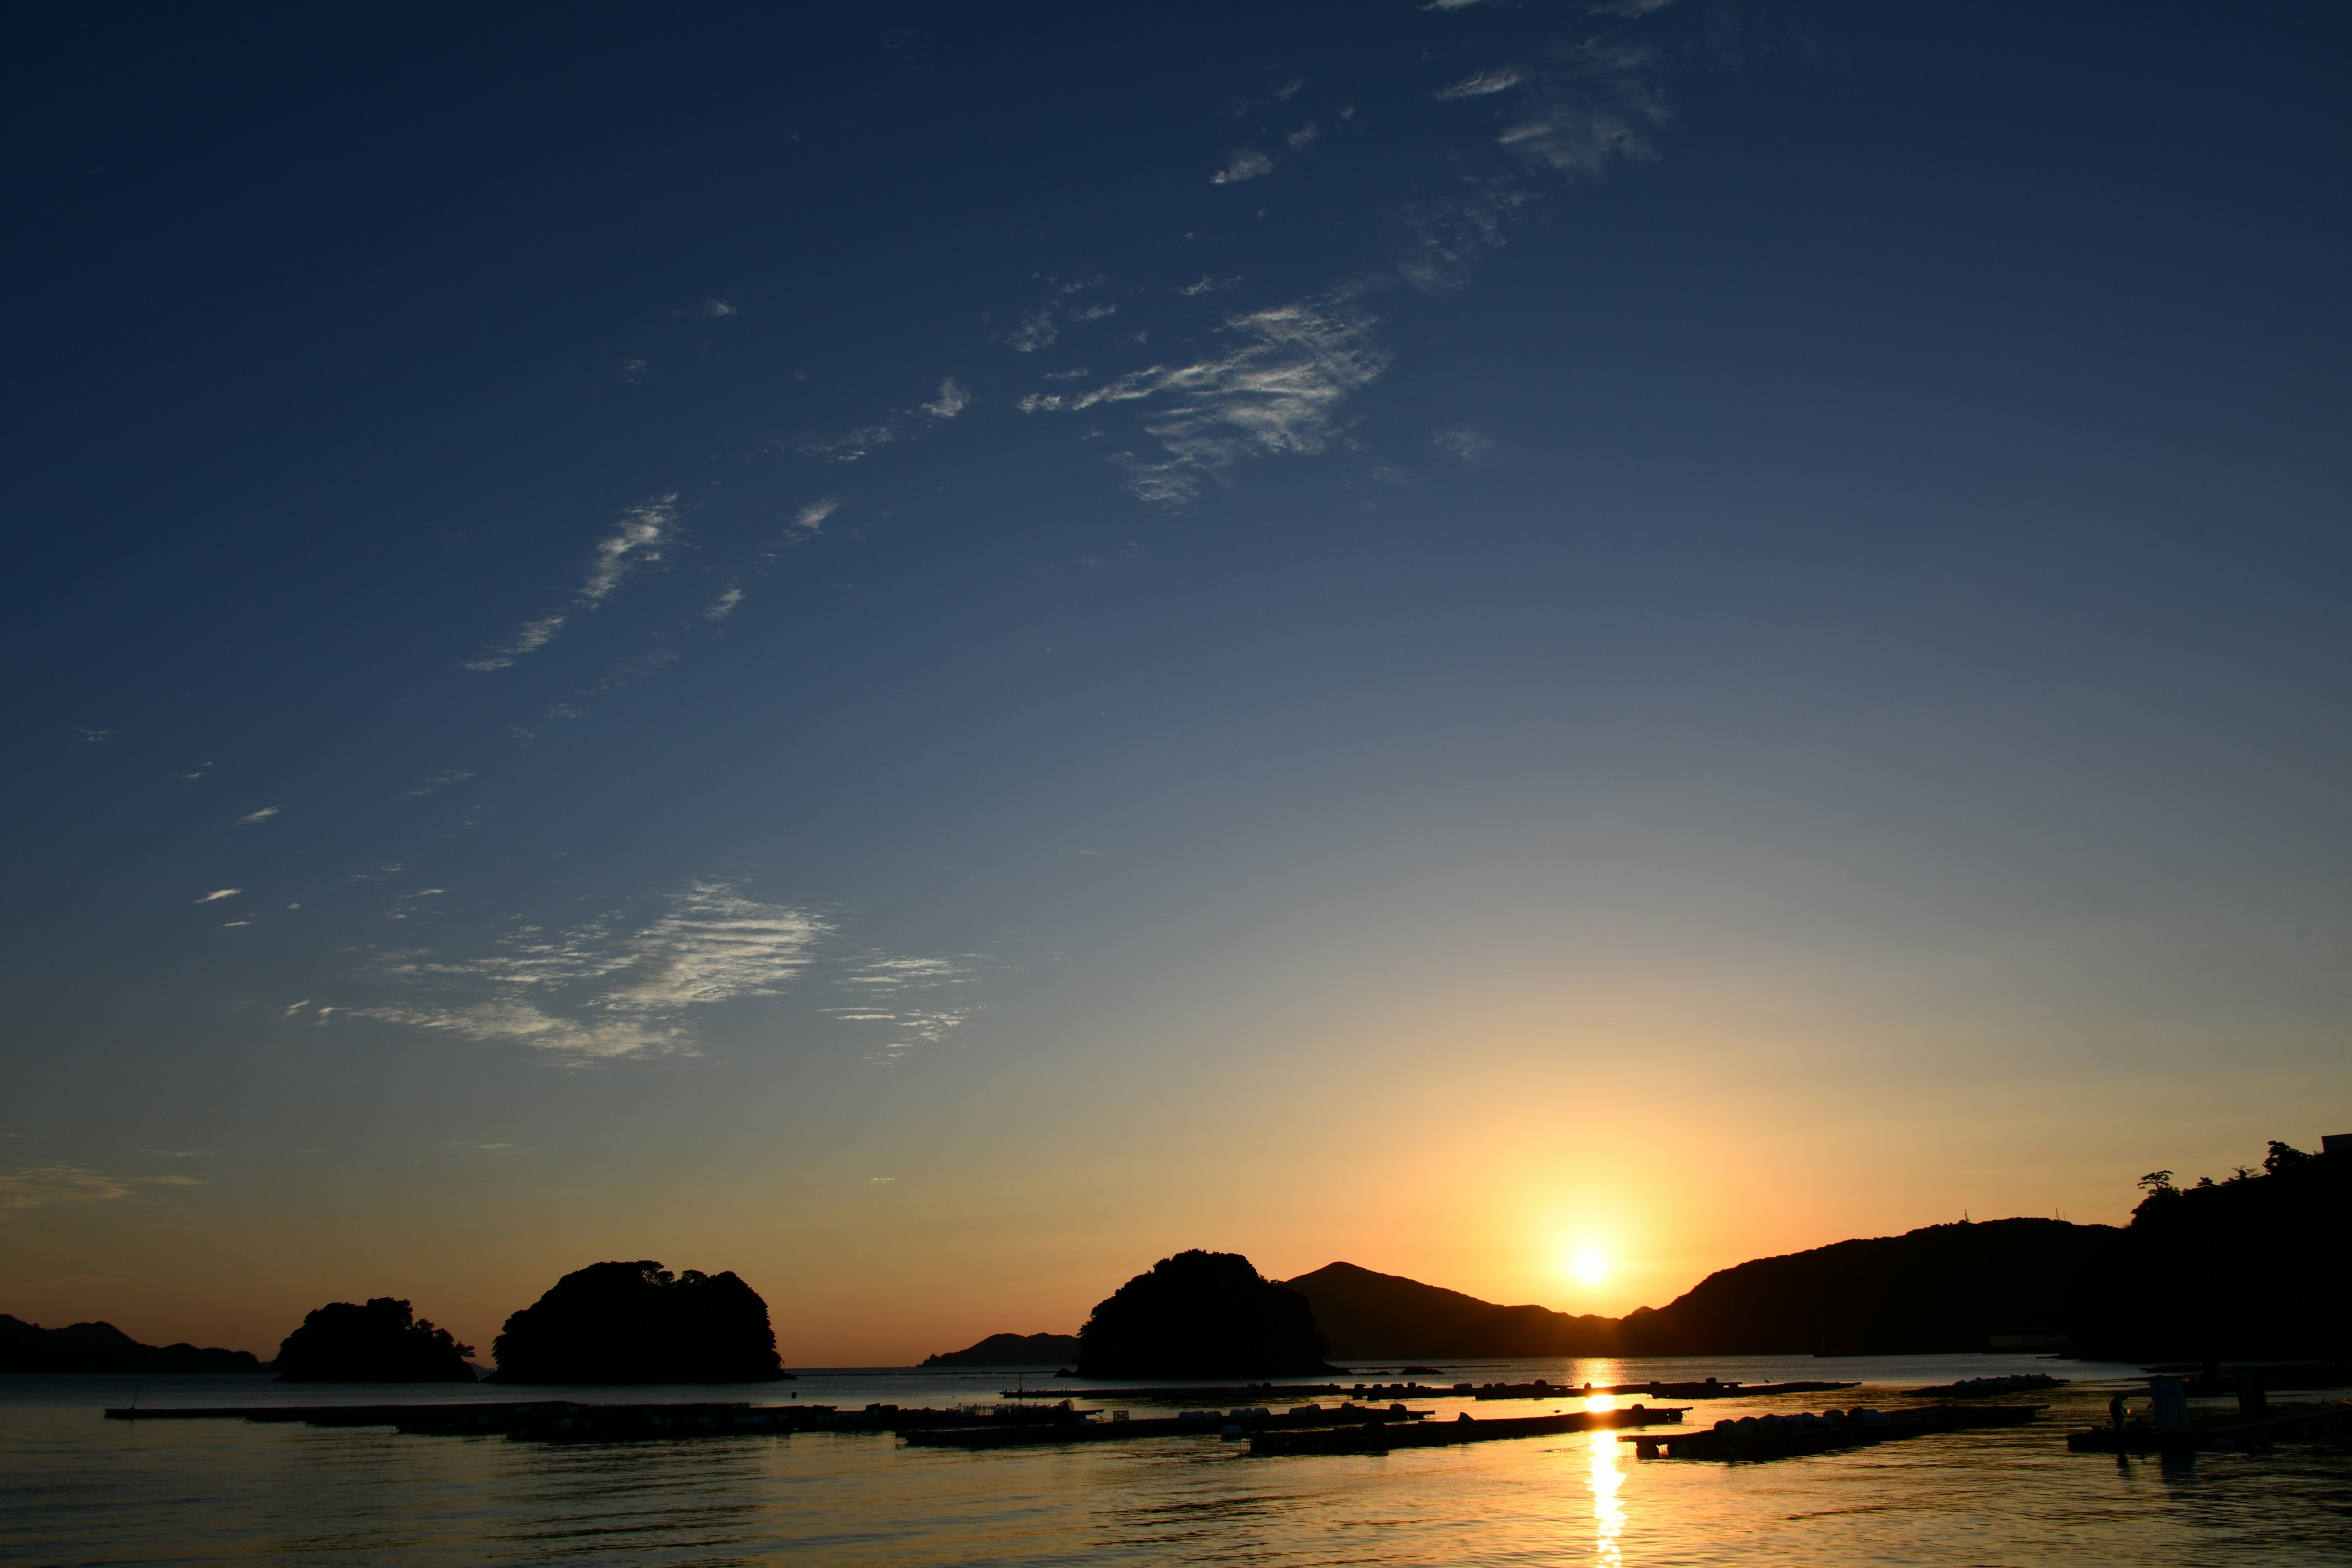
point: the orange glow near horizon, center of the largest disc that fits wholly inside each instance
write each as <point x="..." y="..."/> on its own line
<point x="1589" y="1266"/>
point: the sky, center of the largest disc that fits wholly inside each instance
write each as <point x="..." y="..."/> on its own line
<point x="930" y="652"/>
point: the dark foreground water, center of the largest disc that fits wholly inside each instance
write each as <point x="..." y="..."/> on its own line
<point x="75" y="1489"/>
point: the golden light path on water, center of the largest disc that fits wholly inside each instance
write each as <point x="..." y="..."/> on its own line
<point x="1604" y="1474"/>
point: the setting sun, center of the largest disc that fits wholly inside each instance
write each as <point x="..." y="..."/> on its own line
<point x="1589" y="1267"/>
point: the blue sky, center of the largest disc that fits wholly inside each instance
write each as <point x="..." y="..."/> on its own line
<point x="853" y="643"/>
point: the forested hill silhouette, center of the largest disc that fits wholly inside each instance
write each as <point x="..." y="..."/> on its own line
<point x="1374" y="1316"/>
<point x="382" y="1341"/>
<point x="1943" y="1287"/>
<point x="1012" y="1350"/>
<point x="637" y="1322"/>
<point x="1202" y="1314"/>
<point x="102" y="1347"/>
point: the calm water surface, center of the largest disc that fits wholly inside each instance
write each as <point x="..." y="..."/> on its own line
<point x="77" y="1489"/>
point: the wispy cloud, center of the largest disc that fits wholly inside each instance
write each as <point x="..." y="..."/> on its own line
<point x="93" y="737"/>
<point x="440" y="780"/>
<point x="724" y="605"/>
<point x="1484" y="83"/>
<point x="811" y="517"/>
<point x="1450" y="5"/>
<point x="1208" y="285"/>
<point x="1592" y="104"/>
<point x="952" y="401"/>
<point x="845" y="447"/>
<point x="169" y="1180"/>
<point x="1035" y="331"/>
<point x="616" y="988"/>
<point x="218" y="894"/>
<point x="709" y="310"/>
<point x="31" y="1186"/>
<point x="1242" y="164"/>
<point x="639" y="540"/>
<point x="1474" y="447"/>
<point x="264" y="814"/>
<point x="599" y="991"/>
<point x="1279" y="389"/>
<point x="1304" y="137"/>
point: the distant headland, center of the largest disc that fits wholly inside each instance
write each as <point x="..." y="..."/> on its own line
<point x="1012" y="1350"/>
<point x="103" y="1348"/>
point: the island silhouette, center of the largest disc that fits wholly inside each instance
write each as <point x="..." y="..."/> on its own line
<point x="382" y="1341"/>
<point x="637" y="1322"/>
<point x="1202" y="1314"/>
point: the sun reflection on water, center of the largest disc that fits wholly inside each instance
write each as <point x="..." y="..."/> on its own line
<point x="1606" y="1478"/>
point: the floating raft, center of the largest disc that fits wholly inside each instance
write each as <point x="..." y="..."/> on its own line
<point x="567" y="1421"/>
<point x="1221" y="1394"/>
<point x="1190" y="1424"/>
<point x="1710" y="1389"/>
<point x="2322" y="1418"/>
<point x="1976" y="1387"/>
<point x="1538" y="1388"/>
<point x="1784" y="1437"/>
<point x="1380" y="1437"/>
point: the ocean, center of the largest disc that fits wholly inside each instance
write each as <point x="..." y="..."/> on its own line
<point x="77" y="1489"/>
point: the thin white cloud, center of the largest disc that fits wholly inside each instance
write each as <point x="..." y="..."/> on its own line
<point x="93" y="737"/>
<point x="32" y="1186"/>
<point x="1304" y="137"/>
<point x="218" y="894"/>
<point x="1036" y="330"/>
<point x="640" y="539"/>
<point x="1279" y="389"/>
<point x="1242" y="164"/>
<point x="439" y="781"/>
<point x="645" y="532"/>
<point x="709" y="310"/>
<point x="1450" y="5"/>
<point x="811" y="517"/>
<point x="724" y="605"/>
<point x="952" y="401"/>
<point x="1474" y="447"/>
<point x="1591" y="106"/>
<point x="1094" y="312"/>
<point x="1484" y="83"/>
<point x="846" y="448"/>
<point x="202" y="769"/>
<point x="596" y="991"/>
<point x="1208" y="285"/>
<point x="264" y="814"/>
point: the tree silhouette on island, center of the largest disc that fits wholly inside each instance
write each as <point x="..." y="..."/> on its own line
<point x="384" y="1341"/>
<point x="1202" y="1314"/>
<point x="637" y="1322"/>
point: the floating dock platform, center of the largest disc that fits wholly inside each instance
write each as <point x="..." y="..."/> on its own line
<point x="1785" y="1437"/>
<point x="1380" y="1437"/>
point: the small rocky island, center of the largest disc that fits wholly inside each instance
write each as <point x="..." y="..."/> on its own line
<point x="1202" y="1314"/>
<point x="1012" y="1350"/>
<point x="382" y="1341"/>
<point x="637" y="1322"/>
